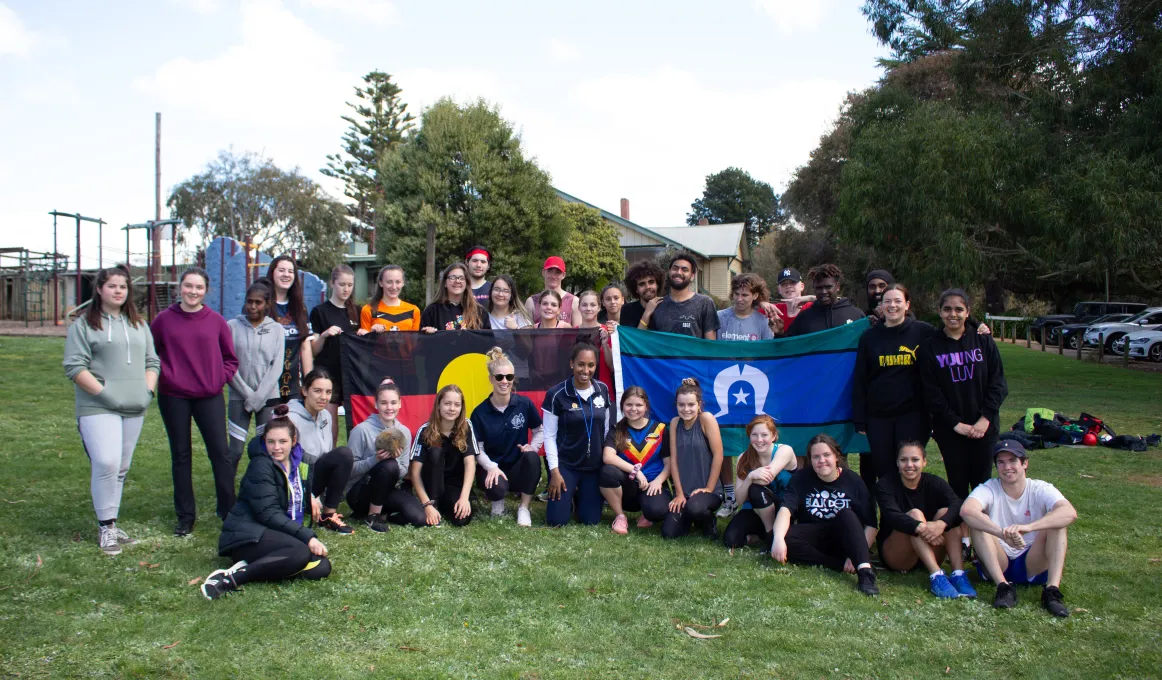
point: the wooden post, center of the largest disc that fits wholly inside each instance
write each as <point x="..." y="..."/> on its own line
<point x="1028" y="337"/>
<point x="1002" y="329"/>
<point x="1060" y="344"/>
<point x="1042" y="338"/>
<point x="1101" y="348"/>
<point x="1126" y="350"/>
<point x="1080" y="344"/>
<point x="1014" y="332"/>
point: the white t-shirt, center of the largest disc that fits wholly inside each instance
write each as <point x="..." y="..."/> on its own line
<point x="1038" y="499"/>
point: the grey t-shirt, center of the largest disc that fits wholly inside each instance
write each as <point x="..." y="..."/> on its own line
<point x="753" y="327"/>
<point x="693" y="317"/>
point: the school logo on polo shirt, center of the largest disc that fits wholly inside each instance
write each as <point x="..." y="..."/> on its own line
<point x="517" y="422"/>
<point x="826" y="504"/>
<point x="599" y="402"/>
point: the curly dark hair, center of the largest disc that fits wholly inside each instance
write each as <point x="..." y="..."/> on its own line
<point x="825" y="271"/>
<point x="646" y="269"/>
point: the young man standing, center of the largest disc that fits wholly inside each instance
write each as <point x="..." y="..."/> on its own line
<point x="554" y="275"/>
<point x="642" y="280"/>
<point x="479" y="261"/>
<point x="742" y="320"/>
<point x="1019" y="530"/>
<point x="793" y="302"/>
<point x="829" y="310"/>
<point x="684" y="311"/>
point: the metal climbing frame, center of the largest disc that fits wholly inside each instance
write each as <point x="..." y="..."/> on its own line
<point x="30" y="279"/>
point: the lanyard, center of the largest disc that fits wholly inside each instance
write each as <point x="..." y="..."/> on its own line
<point x="586" y="418"/>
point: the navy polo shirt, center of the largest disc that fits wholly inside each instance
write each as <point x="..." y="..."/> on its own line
<point x="581" y="424"/>
<point x="501" y="432"/>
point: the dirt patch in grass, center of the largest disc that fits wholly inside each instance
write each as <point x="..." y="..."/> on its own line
<point x="1148" y="480"/>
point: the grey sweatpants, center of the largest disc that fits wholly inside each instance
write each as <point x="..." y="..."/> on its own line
<point x="238" y="426"/>
<point x="109" y="440"/>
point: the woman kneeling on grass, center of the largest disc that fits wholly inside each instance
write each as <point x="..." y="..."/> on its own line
<point x="696" y="461"/>
<point x="264" y="531"/>
<point x="374" y="492"/>
<point x="835" y="519"/>
<point x="764" y="471"/>
<point x="443" y="465"/>
<point x="921" y="521"/>
<point x="330" y="468"/>
<point x="637" y="464"/>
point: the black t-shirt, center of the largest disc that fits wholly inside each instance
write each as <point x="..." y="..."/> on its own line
<point x="453" y="457"/>
<point x="323" y="316"/>
<point x="631" y="313"/>
<point x="481" y="294"/>
<point x="442" y="317"/>
<point x="693" y="317"/>
<point x="929" y="496"/>
<point x="811" y="499"/>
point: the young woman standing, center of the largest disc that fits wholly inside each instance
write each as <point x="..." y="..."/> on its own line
<point x="373" y="491"/>
<point x="385" y="311"/>
<point x="109" y="355"/>
<point x="329" y="468"/>
<point x="764" y="470"/>
<point x="964" y="387"/>
<point x="264" y="531"/>
<point x="887" y="397"/>
<point x="196" y="349"/>
<point x="336" y="316"/>
<point x="835" y="518"/>
<point x="443" y="461"/>
<point x="502" y="423"/>
<point x="589" y="305"/>
<point x="637" y="464"/>
<point x="503" y="310"/>
<point x="696" y="465"/>
<point x="612" y="300"/>
<point x="454" y="309"/>
<point x="576" y="414"/>
<point x="259" y="345"/>
<point x="549" y="311"/>
<point x="291" y="312"/>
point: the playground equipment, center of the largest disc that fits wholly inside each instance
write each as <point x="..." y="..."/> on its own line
<point x="29" y="280"/>
<point x="234" y="265"/>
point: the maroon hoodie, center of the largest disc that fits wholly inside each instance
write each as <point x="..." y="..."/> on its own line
<point x="196" y="351"/>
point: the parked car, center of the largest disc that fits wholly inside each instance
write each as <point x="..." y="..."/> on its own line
<point x="1073" y="331"/>
<point x="1083" y="312"/>
<point x="1143" y="345"/>
<point x="1148" y="319"/>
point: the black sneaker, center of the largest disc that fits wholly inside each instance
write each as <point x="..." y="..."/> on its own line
<point x="866" y="583"/>
<point x="710" y="529"/>
<point x="375" y="523"/>
<point x="334" y="522"/>
<point x="185" y="527"/>
<point x="1053" y="602"/>
<point x="1006" y="597"/>
<point x="218" y="584"/>
<point x="967" y="554"/>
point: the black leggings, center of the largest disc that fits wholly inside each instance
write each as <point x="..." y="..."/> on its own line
<point x="747" y="522"/>
<point x="968" y="462"/>
<point x="210" y="416"/>
<point x="699" y="509"/>
<point x="378" y="487"/>
<point x="445" y="492"/>
<point x="633" y="498"/>
<point x="524" y="474"/>
<point x="884" y="436"/>
<point x="277" y="556"/>
<point x="499" y="488"/>
<point x="332" y="470"/>
<point x="829" y="543"/>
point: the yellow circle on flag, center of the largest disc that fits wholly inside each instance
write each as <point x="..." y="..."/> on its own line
<point x="469" y="372"/>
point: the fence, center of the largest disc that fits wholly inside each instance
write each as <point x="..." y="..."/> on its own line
<point x="1001" y="325"/>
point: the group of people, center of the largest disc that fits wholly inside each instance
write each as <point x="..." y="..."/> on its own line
<point x="912" y="382"/>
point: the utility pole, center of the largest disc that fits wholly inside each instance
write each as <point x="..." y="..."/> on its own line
<point x="154" y="233"/>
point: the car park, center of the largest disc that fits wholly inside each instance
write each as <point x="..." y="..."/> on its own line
<point x="1083" y="312"/>
<point x="1143" y="345"/>
<point x="1073" y="332"/>
<point x="1110" y="333"/>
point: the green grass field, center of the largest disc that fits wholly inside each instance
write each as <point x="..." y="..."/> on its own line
<point x="494" y="600"/>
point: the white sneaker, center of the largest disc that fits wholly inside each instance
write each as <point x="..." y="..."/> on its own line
<point x="498" y="508"/>
<point x="107" y="540"/>
<point x="523" y="517"/>
<point x="728" y="508"/>
<point x="122" y="537"/>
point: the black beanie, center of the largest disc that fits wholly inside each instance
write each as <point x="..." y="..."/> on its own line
<point x="882" y="274"/>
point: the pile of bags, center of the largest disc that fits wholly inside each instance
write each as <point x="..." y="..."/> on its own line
<point x="1042" y="428"/>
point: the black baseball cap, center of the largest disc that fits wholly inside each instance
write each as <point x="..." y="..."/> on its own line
<point x="1012" y="446"/>
<point x="790" y="274"/>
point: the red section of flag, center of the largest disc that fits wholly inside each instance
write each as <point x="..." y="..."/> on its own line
<point x="414" y="410"/>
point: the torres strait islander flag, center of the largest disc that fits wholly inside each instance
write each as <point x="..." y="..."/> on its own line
<point x="422" y="364"/>
<point x="804" y="382"/>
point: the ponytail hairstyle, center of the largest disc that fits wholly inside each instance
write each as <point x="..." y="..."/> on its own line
<point x="309" y="379"/>
<point x="280" y="420"/>
<point x="388" y="385"/>
<point x="294" y="295"/>
<point x="349" y="303"/>
<point x="196" y="271"/>
<point x="497" y="357"/>
<point x="831" y="444"/>
<point x="548" y="291"/>
<point x="749" y="460"/>
<point x="580" y="347"/>
<point x="263" y="287"/>
<point x="377" y="295"/>
<point x="613" y="286"/>
<point x="473" y="312"/>
<point x="128" y="308"/>
<point x="459" y="432"/>
<point x="690" y="386"/>
<point x="955" y="292"/>
<point x="904" y="289"/>
<point x="621" y="430"/>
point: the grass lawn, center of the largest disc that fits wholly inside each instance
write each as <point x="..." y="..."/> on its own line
<point x="494" y="600"/>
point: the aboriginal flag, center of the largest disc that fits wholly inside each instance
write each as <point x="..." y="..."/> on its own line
<point x="803" y="382"/>
<point x="421" y="364"/>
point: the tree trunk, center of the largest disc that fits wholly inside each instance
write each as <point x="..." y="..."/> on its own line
<point x="430" y="266"/>
<point x="994" y="297"/>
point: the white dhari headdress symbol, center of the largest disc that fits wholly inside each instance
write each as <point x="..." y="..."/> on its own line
<point x="747" y="373"/>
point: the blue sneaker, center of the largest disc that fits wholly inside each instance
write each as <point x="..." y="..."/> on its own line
<point x="962" y="585"/>
<point x="942" y="588"/>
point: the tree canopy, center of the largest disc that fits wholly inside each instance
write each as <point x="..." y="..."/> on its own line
<point x="247" y="197"/>
<point x="732" y="195"/>
<point x="592" y="248"/>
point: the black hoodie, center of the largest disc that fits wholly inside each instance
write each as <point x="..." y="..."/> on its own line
<point x="887" y="373"/>
<point x="820" y="318"/>
<point x="963" y="379"/>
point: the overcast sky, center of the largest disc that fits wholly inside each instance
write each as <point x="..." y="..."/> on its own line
<point x="639" y="100"/>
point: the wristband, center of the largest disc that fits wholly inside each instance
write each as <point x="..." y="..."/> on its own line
<point x="430" y="502"/>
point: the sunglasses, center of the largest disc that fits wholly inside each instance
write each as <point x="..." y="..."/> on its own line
<point x="501" y="377"/>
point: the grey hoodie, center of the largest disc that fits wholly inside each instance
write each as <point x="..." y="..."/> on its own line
<point x="314" y="433"/>
<point x="260" y="358"/>
<point x="361" y="441"/>
<point x="118" y="355"/>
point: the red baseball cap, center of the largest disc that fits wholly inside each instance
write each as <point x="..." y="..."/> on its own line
<point x="554" y="262"/>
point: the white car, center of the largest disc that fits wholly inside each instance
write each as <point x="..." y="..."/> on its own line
<point x="1147" y="319"/>
<point x="1143" y="344"/>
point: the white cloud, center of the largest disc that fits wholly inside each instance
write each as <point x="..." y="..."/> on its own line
<point x="372" y="11"/>
<point x="562" y="51"/>
<point x="790" y="15"/>
<point x="16" y="39"/>
<point x="205" y="7"/>
<point x="422" y="87"/>
<point x="283" y="74"/>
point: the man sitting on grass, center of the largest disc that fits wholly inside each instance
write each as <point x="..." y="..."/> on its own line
<point x="1019" y="530"/>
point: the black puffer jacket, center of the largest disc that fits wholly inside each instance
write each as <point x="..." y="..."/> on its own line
<point x="819" y="318"/>
<point x="263" y="501"/>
